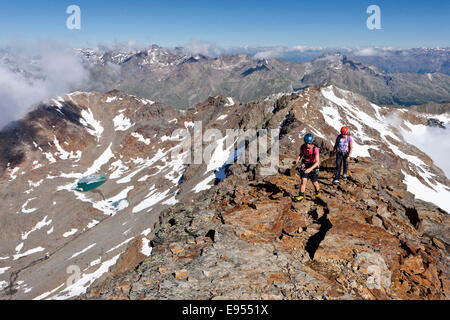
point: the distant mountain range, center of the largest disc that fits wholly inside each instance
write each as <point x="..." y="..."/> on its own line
<point x="180" y="79"/>
<point x="183" y="80"/>
<point x="390" y="60"/>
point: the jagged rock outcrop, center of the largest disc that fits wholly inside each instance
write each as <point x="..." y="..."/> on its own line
<point x="245" y="239"/>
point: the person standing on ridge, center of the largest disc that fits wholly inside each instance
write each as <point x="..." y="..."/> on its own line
<point x="309" y="169"/>
<point x="343" y="149"/>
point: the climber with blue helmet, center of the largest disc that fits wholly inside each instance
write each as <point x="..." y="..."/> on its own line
<point x="309" y="169"/>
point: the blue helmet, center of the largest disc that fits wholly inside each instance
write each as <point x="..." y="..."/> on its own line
<point x="309" y="138"/>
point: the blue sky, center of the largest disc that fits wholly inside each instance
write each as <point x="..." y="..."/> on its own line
<point x="231" y="23"/>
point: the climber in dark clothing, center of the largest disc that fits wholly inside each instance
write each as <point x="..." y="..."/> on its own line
<point x="309" y="169"/>
<point x="343" y="149"/>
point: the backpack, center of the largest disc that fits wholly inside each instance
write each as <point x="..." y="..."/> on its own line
<point x="316" y="146"/>
<point x="338" y="140"/>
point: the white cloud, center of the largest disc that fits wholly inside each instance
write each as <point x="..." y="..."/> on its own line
<point x="374" y="51"/>
<point x="435" y="142"/>
<point x="286" y="52"/>
<point x="203" y="47"/>
<point x="33" y="73"/>
<point x="123" y="46"/>
<point x="369" y="52"/>
<point x="274" y="52"/>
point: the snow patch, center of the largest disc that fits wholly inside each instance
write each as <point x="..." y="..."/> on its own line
<point x="121" y="123"/>
<point x="3" y="284"/>
<point x="82" y="251"/>
<point x="439" y="194"/>
<point x="29" y="252"/>
<point x="204" y="185"/>
<point x="332" y="117"/>
<point x="81" y="285"/>
<point x="19" y="247"/>
<point x="46" y="294"/>
<point x="141" y="138"/>
<point x="151" y="199"/>
<point x="92" y="224"/>
<point x="70" y="233"/>
<point x="147" y="101"/>
<point x="98" y="163"/>
<point x="230" y="102"/>
<point x="33" y="184"/>
<point x="28" y="211"/>
<point x="63" y="154"/>
<point x="147" y="163"/>
<point x="119" y="168"/>
<point x="222" y="117"/>
<point x="3" y="270"/>
<point x="119" y="245"/>
<point x="144" y="178"/>
<point x="146" y="249"/>
<point x="95" y="262"/>
<point x="171" y="201"/>
<point x="111" y="205"/>
<point x="89" y="120"/>
<point x="111" y="99"/>
<point x="188" y="124"/>
<point x="13" y="173"/>
<point x="38" y="226"/>
<point x="49" y="157"/>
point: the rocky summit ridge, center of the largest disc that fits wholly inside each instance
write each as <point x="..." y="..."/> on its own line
<point x="245" y="239"/>
<point x="156" y="212"/>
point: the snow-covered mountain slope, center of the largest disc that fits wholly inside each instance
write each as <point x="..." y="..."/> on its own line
<point x="78" y="136"/>
<point x="50" y="230"/>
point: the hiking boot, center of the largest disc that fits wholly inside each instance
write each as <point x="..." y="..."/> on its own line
<point x="318" y="194"/>
<point x="298" y="199"/>
<point x="336" y="181"/>
<point x="344" y="176"/>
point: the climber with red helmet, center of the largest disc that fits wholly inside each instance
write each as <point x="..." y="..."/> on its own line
<point x="343" y="149"/>
<point x="309" y="169"/>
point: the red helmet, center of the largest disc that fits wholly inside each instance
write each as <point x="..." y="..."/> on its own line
<point x="344" y="130"/>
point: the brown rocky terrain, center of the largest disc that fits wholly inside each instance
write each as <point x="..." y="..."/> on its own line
<point x="246" y="239"/>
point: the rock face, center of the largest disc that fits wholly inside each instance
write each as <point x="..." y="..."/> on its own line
<point x="245" y="239"/>
<point x="435" y="123"/>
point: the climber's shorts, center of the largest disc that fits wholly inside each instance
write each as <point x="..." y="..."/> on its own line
<point x="313" y="175"/>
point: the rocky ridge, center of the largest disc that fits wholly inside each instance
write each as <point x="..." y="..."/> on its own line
<point x="52" y="227"/>
<point x="245" y="239"/>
